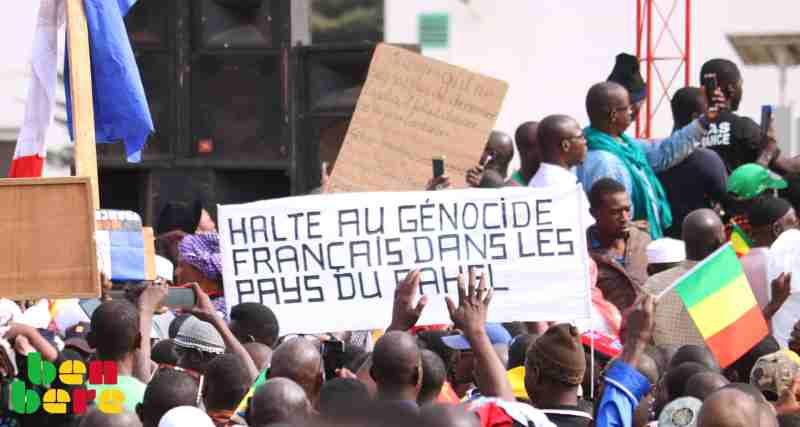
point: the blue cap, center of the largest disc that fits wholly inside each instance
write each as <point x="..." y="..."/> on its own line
<point x="496" y="332"/>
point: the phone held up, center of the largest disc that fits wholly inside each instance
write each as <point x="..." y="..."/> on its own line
<point x="710" y="86"/>
<point x="438" y="166"/>
<point x="766" y="119"/>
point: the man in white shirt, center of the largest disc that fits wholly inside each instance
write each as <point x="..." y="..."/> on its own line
<point x="563" y="147"/>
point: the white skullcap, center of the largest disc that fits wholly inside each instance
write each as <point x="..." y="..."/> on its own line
<point x="185" y="416"/>
<point x="68" y="314"/>
<point x="164" y="268"/>
<point x="666" y="250"/>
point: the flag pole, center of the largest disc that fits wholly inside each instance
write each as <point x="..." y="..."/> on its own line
<point x="81" y="91"/>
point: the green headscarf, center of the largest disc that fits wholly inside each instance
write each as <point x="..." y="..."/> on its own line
<point x="645" y="183"/>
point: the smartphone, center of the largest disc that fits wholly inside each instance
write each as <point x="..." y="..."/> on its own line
<point x="710" y="85"/>
<point x="438" y="166"/>
<point x="89" y="306"/>
<point x="332" y="357"/>
<point x="181" y="297"/>
<point x="766" y="119"/>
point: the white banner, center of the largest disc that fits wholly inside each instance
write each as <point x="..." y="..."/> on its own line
<point x="331" y="262"/>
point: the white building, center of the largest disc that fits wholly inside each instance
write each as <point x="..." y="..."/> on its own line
<point x="551" y="52"/>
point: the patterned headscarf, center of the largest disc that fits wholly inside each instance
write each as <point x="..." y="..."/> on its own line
<point x="201" y="251"/>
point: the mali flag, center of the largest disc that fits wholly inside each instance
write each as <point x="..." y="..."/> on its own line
<point x="740" y="241"/>
<point x="719" y="300"/>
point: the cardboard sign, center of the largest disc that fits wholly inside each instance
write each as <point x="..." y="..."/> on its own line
<point x="49" y="249"/>
<point x="332" y="262"/>
<point x="411" y="109"/>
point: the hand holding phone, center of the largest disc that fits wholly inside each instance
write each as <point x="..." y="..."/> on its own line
<point x="181" y="297"/>
<point x="438" y="166"/>
<point x="710" y="86"/>
<point x="766" y="119"/>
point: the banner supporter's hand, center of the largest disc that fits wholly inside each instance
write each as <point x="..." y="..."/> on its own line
<point x="473" y="306"/>
<point x="203" y="308"/>
<point x="438" y="183"/>
<point x="404" y="313"/>
<point x="474" y="176"/>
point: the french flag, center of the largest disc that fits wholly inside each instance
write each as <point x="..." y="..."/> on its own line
<point x="120" y="105"/>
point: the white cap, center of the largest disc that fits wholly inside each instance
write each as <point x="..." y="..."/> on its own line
<point x="37" y="316"/>
<point x="164" y="268"/>
<point x="665" y="251"/>
<point x="9" y="311"/>
<point x="185" y="416"/>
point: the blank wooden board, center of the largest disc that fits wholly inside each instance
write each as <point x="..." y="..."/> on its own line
<point x="411" y="109"/>
<point x="49" y="250"/>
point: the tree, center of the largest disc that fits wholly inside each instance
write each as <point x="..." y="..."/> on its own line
<point x="341" y="21"/>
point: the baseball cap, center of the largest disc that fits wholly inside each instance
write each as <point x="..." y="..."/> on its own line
<point x="750" y="180"/>
<point x="199" y="335"/>
<point x="75" y="337"/>
<point x="496" y="332"/>
<point x="680" y="412"/>
<point x="773" y="373"/>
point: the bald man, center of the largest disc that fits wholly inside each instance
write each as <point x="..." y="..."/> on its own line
<point x="299" y="360"/>
<point x="496" y="156"/>
<point x="278" y="400"/>
<point x="703" y="234"/>
<point x="702" y="384"/>
<point x="563" y="146"/>
<point x="729" y="408"/>
<point x="529" y="154"/>
<point x="632" y="162"/>
<point x="96" y="418"/>
<point x="397" y="368"/>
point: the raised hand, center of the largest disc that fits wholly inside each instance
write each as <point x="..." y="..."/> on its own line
<point x="473" y="305"/>
<point x="405" y="313"/>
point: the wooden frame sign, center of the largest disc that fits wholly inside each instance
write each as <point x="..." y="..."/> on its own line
<point x="48" y="225"/>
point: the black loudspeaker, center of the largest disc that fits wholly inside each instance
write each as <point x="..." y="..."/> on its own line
<point x="331" y="78"/>
<point x="330" y="81"/>
<point x="237" y="109"/>
<point x="222" y="24"/>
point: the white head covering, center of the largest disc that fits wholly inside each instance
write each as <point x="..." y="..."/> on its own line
<point x="185" y="416"/>
<point x="665" y="251"/>
<point x="9" y="311"/>
<point x="164" y="268"/>
<point x="68" y="314"/>
<point x="37" y="316"/>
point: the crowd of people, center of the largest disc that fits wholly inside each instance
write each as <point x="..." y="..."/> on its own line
<point x="657" y="208"/>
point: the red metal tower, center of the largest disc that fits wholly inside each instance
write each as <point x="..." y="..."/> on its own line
<point x="658" y="55"/>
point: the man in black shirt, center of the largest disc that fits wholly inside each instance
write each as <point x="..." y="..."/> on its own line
<point x="699" y="181"/>
<point x="726" y="137"/>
